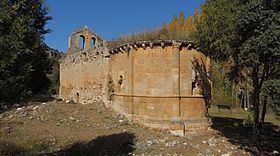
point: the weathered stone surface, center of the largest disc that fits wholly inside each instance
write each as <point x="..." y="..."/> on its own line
<point x="150" y="82"/>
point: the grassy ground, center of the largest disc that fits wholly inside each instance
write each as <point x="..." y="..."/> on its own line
<point x="239" y="113"/>
<point x="234" y="126"/>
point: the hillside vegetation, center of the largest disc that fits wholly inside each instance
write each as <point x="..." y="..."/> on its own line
<point x="177" y="29"/>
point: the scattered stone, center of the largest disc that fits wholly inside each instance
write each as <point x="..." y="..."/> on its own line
<point x="11" y="116"/>
<point x="212" y="142"/>
<point x="123" y="122"/>
<point x="19" y="109"/>
<point x="149" y="142"/>
<point x="114" y="121"/>
<point x="23" y="114"/>
<point x="275" y="152"/>
<point x="179" y="133"/>
<point x="226" y="154"/>
<point x="35" y="107"/>
<point x="173" y="143"/>
<point x="197" y="146"/>
<point x="142" y="146"/>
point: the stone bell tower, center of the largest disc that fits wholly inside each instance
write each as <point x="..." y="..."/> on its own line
<point x="84" y="35"/>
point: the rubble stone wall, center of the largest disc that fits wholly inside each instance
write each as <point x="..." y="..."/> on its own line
<point x="82" y="75"/>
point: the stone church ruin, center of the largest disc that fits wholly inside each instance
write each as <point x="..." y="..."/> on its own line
<point x="150" y="82"/>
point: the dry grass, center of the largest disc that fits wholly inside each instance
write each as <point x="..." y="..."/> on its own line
<point x="58" y="128"/>
<point x="149" y="35"/>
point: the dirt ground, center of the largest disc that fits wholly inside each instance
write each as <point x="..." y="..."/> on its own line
<point x="59" y="128"/>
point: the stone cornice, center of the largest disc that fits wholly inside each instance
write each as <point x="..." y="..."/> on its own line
<point x="143" y="44"/>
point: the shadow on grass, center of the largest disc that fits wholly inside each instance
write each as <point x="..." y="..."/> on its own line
<point x="115" y="144"/>
<point x="237" y="134"/>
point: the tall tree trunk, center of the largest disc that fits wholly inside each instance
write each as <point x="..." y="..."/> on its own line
<point x="256" y="104"/>
<point x="264" y="78"/>
<point x="256" y="126"/>
<point x="263" y="110"/>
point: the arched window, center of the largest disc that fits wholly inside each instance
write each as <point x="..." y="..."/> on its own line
<point x="92" y="41"/>
<point x="82" y="42"/>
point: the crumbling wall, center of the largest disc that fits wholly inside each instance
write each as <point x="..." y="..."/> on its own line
<point x="82" y="75"/>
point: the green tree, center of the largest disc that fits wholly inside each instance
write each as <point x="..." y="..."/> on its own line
<point x="54" y="56"/>
<point x="249" y="33"/>
<point x="215" y="28"/>
<point x="272" y="91"/>
<point x="258" y="28"/>
<point x="23" y="59"/>
<point x="222" y="86"/>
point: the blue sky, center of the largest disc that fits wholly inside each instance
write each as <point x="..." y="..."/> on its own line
<point x="110" y="18"/>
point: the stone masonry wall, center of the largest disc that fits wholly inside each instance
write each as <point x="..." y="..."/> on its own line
<point x="82" y="75"/>
<point x="156" y="88"/>
<point x="150" y="82"/>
